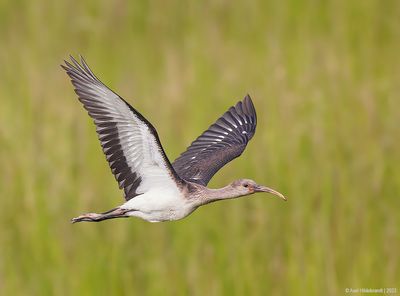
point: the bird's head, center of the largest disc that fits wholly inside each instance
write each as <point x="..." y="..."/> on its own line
<point x="247" y="186"/>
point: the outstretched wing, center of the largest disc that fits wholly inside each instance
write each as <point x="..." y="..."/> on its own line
<point x="130" y="143"/>
<point x="225" y="140"/>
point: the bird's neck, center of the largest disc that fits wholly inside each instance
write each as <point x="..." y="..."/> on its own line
<point x="226" y="192"/>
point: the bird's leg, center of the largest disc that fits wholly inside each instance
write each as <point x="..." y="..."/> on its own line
<point x="94" y="217"/>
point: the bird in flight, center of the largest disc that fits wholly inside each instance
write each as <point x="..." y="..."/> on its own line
<point x="155" y="189"/>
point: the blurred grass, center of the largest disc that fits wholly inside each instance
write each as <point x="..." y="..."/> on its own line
<point x="324" y="76"/>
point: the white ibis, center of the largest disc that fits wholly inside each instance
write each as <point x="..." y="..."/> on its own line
<point x="154" y="189"/>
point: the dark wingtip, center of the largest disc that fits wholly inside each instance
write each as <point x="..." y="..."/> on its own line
<point x="71" y="57"/>
<point x="82" y="59"/>
<point x="246" y="106"/>
<point x="248" y="103"/>
<point x="247" y="97"/>
<point x="66" y="66"/>
<point x="73" y="60"/>
<point x="247" y="100"/>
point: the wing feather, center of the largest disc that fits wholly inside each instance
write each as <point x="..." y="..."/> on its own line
<point x="130" y="142"/>
<point x="223" y="141"/>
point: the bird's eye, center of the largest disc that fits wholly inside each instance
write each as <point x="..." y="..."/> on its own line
<point x="246" y="185"/>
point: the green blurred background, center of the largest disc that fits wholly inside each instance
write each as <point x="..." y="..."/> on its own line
<point x="324" y="77"/>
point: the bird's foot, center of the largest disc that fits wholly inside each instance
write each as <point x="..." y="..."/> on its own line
<point x="90" y="217"/>
<point x="94" y="217"/>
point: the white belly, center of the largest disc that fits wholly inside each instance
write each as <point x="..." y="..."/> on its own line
<point x="159" y="205"/>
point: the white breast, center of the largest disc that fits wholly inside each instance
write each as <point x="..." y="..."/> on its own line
<point x="159" y="204"/>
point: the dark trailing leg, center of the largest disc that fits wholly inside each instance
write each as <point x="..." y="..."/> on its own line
<point x="94" y="217"/>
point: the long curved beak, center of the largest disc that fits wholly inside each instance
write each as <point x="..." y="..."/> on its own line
<point x="261" y="188"/>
